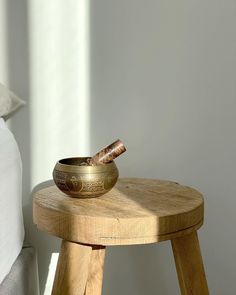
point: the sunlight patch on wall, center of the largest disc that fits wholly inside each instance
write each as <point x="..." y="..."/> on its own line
<point x="51" y="273"/>
<point x="59" y="72"/>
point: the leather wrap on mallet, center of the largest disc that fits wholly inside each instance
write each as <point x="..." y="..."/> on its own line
<point x="108" y="153"/>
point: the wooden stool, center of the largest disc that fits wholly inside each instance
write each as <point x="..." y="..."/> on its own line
<point x="135" y="211"/>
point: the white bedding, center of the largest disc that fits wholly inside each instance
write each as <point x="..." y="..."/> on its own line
<point x="11" y="220"/>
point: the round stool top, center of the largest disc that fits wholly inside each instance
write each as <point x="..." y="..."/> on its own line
<point x="135" y="211"/>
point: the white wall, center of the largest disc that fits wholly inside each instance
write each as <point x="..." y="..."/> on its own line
<point x="163" y="80"/>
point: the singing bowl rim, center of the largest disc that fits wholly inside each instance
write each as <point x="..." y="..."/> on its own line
<point x="69" y="167"/>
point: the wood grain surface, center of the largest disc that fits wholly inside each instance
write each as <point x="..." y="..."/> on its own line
<point x="94" y="282"/>
<point x="135" y="211"/>
<point x="189" y="265"/>
<point x="72" y="269"/>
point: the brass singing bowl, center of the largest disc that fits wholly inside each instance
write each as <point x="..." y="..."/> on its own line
<point x="84" y="181"/>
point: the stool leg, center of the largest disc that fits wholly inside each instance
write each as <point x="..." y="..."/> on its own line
<point x="72" y="269"/>
<point x="94" y="282"/>
<point x="189" y="265"/>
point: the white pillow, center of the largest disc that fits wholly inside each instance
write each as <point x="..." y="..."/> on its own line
<point x="11" y="219"/>
<point x="9" y="102"/>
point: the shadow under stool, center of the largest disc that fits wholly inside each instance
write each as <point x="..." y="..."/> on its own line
<point x="135" y="211"/>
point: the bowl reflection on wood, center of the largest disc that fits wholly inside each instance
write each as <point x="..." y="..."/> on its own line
<point x="84" y="181"/>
